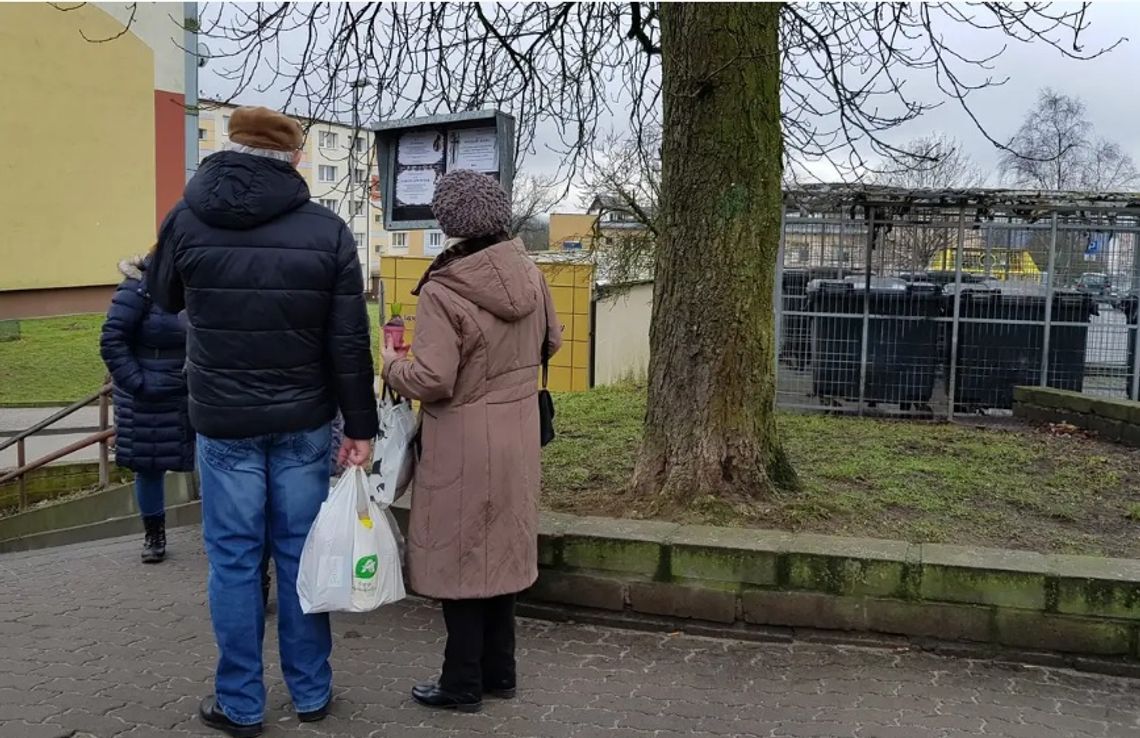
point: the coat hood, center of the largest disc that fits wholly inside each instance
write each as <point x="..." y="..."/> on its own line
<point x="134" y="267"/>
<point x="499" y="279"/>
<point x="241" y="191"/>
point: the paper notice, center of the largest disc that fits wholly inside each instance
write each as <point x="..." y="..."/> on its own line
<point x="415" y="186"/>
<point x="419" y="148"/>
<point x="475" y="148"/>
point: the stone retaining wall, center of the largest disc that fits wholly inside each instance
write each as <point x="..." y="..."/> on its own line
<point x="1111" y="419"/>
<point x="1073" y="604"/>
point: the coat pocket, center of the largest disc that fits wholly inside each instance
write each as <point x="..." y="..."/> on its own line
<point x="441" y="464"/>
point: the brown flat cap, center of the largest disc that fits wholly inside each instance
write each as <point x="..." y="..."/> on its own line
<point x="263" y="128"/>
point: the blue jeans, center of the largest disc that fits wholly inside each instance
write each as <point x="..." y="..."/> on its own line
<point x="150" y="493"/>
<point x="254" y="488"/>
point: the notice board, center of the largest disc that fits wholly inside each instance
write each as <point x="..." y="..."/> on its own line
<point x="413" y="153"/>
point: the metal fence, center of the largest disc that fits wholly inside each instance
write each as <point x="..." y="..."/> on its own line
<point x="940" y="303"/>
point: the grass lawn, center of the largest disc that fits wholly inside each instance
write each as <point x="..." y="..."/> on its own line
<point x="56" y="361"/>
<point x="1007" y="487"/>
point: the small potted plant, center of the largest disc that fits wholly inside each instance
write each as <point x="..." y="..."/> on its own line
<point x="394" y="328"/>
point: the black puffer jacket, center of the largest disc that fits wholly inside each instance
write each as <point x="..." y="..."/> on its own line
<point x="144" y="348"/>
<point x="272" y="287"/>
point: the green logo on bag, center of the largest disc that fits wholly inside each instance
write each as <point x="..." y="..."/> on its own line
<point x="366" y="567"/>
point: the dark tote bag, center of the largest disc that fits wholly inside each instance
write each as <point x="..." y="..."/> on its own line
<point x="545" y="401"/>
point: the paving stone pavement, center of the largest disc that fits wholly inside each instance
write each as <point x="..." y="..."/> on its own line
<point x="93" y="644"/>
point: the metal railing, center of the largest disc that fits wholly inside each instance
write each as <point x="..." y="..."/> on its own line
<point x="103" y="436"/>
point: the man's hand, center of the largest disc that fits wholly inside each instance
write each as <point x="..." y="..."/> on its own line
<point x="354" y="452"/>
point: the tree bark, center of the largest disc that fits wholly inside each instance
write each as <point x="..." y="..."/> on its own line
<point x="710" y="426"/>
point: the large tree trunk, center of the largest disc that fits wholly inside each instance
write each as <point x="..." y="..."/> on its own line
<point x="710" y="428"/>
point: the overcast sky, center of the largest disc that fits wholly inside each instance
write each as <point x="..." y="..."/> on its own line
<point x="1108" y="86"/>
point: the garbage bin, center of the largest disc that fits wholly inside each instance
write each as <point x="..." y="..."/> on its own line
<point x="901" y="339"/>
<point x="1001" y="334"/>
<point x="795" y="349"/>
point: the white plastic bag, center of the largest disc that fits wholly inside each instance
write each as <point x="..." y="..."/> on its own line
<point x="394" y="445"/>
<point x="351" y="561"/>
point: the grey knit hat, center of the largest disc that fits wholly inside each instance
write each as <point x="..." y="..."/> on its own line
<point x="470" y="205"/>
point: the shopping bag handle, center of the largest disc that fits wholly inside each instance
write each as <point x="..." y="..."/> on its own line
<point x="391" y="394"/>
<point x="360" y="481"/>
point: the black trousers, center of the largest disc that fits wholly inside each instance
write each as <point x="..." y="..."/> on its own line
<point x="480" y="649"/>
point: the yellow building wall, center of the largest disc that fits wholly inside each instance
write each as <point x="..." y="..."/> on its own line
<point x="77" y="174"/>
<point x="571" y="285"/>
<point x="571" y="227"/>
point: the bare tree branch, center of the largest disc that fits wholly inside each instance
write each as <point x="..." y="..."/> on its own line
<point x="1055" y="149"/>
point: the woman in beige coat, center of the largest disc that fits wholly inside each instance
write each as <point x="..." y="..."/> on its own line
<point x="484" y="312"/>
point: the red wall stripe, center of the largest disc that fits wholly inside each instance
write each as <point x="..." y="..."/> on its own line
<point x="169" y="151"/>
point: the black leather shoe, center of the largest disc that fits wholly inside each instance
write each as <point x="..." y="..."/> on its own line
<point x="500" y="689"/>
<point x="212" y="717"/>
<point x="431" y="695"/>
<point x="317" y="715"/>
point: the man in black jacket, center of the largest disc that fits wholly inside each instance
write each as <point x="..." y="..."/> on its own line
<point x="278" y="341"/>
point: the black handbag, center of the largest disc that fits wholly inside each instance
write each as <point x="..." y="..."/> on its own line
<point x="545" y="401"/>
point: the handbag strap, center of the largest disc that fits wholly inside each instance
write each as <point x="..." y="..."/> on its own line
<point x="544" y="352"/>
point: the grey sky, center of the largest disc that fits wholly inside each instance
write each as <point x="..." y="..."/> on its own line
<point x="1109" y="86"/>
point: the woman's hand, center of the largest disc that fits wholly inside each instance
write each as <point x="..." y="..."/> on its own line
<point x="390" y="353"/>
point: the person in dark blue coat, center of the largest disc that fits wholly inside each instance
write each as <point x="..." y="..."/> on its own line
<point x="144" y="347"/>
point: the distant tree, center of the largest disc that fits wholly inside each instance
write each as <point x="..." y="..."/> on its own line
<point x="932" y="162"/>
<point x="623" y="173"/>
<point x="1056" y="149"/>
<point x="532" y="199"/>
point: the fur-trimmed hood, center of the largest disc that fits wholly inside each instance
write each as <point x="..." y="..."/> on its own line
<point x="133" y="267"/>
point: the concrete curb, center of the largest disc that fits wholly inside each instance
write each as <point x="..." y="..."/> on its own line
<point x="765" y="582"/>
<point x="1017" y="599"/>
<point x="109" y="513"/>
<point x="1110" y="418"/>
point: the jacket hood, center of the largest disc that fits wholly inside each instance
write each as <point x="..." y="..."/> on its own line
<point x="499" y="279"/>
<point x="242" y="191"/>
<point x="134" y="267"/>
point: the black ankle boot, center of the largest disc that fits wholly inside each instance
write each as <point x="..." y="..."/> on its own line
<point x="154" y="545"/>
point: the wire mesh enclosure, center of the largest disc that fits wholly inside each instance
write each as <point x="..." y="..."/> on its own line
<point x="936" y="303"/>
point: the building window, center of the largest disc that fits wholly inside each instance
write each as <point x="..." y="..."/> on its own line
<point x="329" y="203"/>
<point x="376" y="218"/>
<point x="327" y="140"/>
<point x="358" y="176"/>
<point x="359" y="239"/>
<point x="358" y="143"/>
<point x="326" y="173"/>
<point x="358" y="207"/>
<point x="399" y="241"/>
<point x="226" y="124"/>
<point x="433" y="243"/>
<point x="201" y="134"/>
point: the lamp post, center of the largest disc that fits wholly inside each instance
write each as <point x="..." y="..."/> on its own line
<point x="359" y="84"/>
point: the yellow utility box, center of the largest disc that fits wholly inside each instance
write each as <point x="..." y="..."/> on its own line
<point x="571" y="285"/>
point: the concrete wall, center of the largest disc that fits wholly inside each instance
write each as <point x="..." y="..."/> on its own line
<point x="571" y="227"/>
<point x="93" y="146"/>
<point x="621" y="335"/>
<point x="1110" y="418"/>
